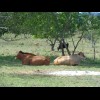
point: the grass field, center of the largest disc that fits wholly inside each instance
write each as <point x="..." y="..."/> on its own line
<point x="14" y="74"/>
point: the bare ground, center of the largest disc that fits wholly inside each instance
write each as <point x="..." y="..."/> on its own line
<point x="58" y="73"/>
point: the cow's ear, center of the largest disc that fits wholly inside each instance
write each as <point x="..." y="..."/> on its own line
<point x="79" y="53"/>
<point x="20" y="52"/>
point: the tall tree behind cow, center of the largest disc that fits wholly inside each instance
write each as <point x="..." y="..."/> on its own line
<point x="94" y="31"/>
<point x="50" y="25"/>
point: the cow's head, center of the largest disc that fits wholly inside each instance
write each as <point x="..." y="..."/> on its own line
<point x="20" y="55"/>
<point x="81" y="54"/>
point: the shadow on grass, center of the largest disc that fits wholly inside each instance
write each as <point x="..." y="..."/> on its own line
<point x="52" y="58"/>
<point x="14" y="78"/>
<point x="9" y="61"/>
<point x="24" y="75"/>
<point x="91" y="63"/>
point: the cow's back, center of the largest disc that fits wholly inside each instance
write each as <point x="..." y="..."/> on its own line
<point x="67" y="60"/>
<point x="39" y="60"/>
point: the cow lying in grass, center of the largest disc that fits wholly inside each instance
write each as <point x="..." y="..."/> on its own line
<point x="73" y="60"/>
<point x="32" y="59"/>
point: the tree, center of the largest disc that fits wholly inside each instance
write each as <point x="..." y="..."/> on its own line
<point x="94" y="24"/>
<point x="82" y="26"/>
<point x="54" y="26"/>
<point x="3" y="27"/>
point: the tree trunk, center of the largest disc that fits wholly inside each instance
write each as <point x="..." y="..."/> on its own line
<point x="92" y="40"/>
<point x="52" y="44"/>
<point x="62" y="49"/>
<point x="52" y="47"/>
<point x="77" y="43"/>
<point x="73" y="42"/>
<point x="66" y="48"/>
<point x="16" y="35"/>
<point x="94" y="51"/>
<point x="93" y="46"/>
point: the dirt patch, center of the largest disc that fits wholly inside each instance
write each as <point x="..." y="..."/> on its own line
<point x="74" y="73"/>
<point x="57" y="73"/>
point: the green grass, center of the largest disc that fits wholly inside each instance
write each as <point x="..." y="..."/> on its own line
<point x="14" y="74"/>
<point x="22" y="80"/>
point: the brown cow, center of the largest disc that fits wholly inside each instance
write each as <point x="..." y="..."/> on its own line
<point x="74" y="59"/>
<point x="31" y="59"/>
<point x="24" y="54"/>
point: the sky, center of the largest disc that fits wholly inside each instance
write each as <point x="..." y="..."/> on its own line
<point x="93" y="13"/>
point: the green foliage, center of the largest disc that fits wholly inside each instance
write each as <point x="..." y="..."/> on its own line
<point x="47" y="24"/>
<point x="3" y="30"/>
<point x="50" y="25"/>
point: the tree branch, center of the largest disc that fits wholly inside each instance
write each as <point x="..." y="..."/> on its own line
<point x="78" y="42"/>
